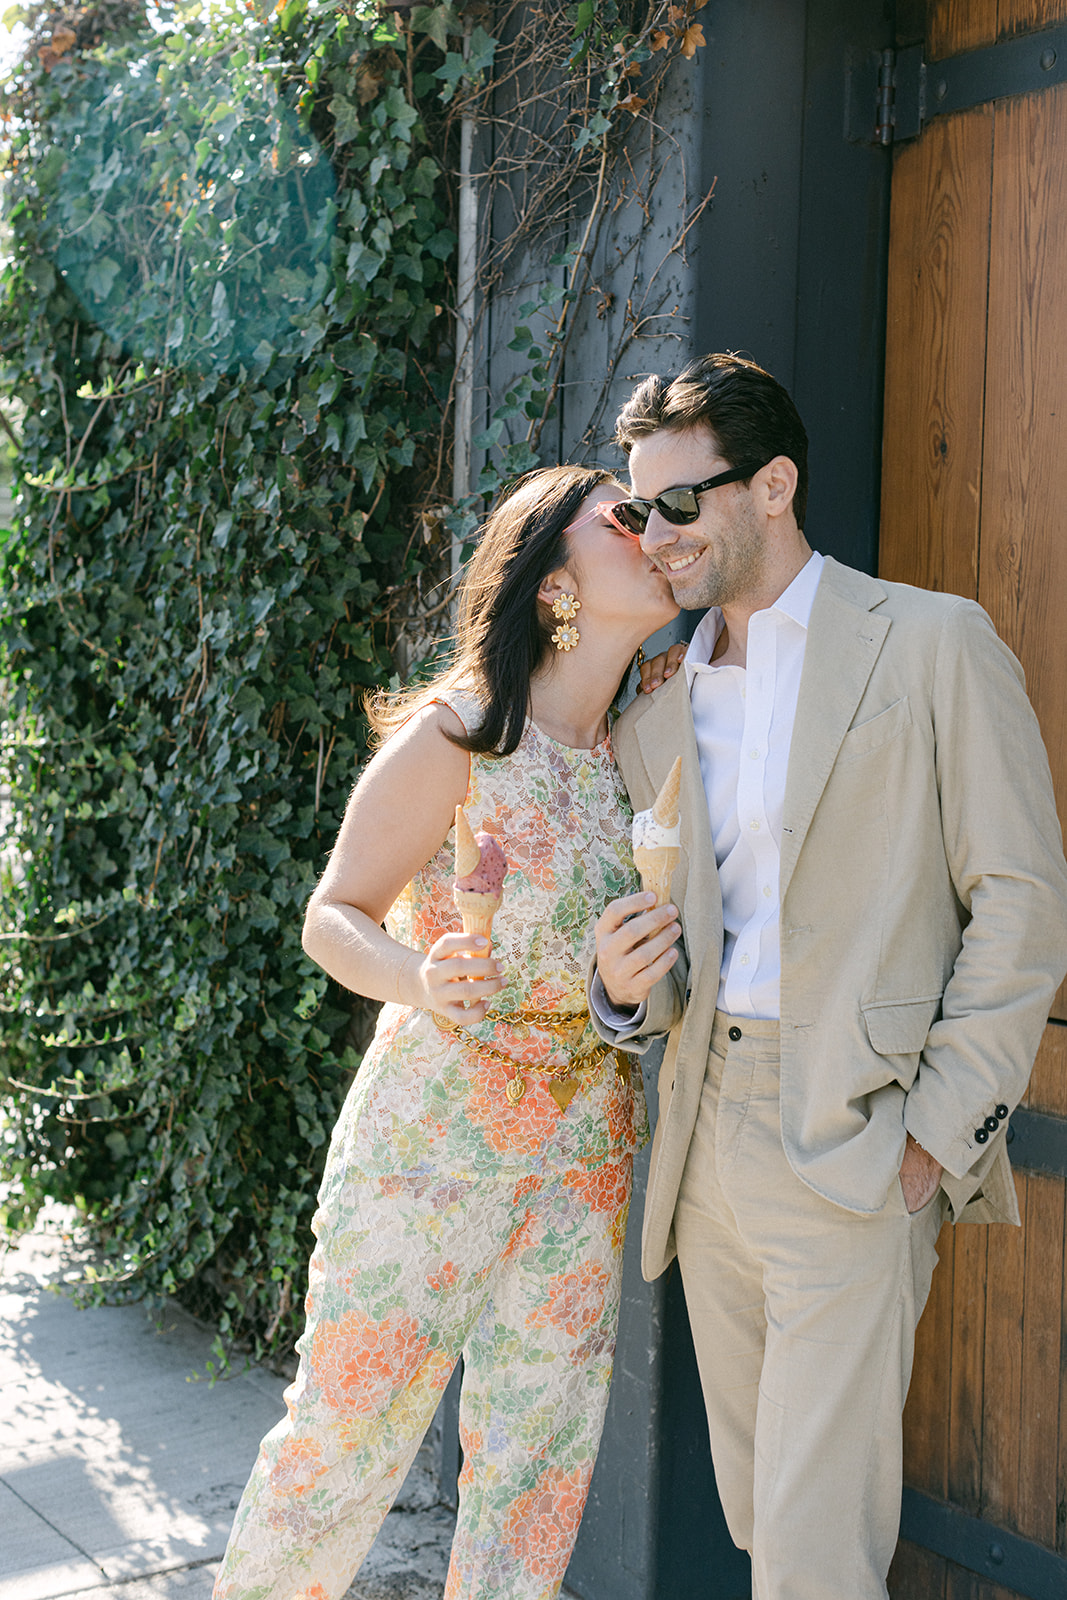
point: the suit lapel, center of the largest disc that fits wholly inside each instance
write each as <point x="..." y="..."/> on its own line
<point x="666" y="731"/>
<point x="844" y="641"/>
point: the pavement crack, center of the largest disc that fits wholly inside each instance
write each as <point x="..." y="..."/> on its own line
<point x="74" y="1545"/>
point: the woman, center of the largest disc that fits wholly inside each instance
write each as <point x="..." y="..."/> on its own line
<point x="475" y="1194"/>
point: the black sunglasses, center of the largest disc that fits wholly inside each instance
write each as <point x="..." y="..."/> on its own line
<point x="677" y="506"/>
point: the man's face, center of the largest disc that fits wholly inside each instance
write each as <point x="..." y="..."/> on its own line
<point x="719" y="559"/>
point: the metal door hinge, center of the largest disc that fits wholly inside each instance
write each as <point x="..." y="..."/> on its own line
<point x="891" y="95"/>
<point x="885" y="97"/>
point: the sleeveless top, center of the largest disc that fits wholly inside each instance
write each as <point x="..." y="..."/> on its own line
<point x="563" y="819"/>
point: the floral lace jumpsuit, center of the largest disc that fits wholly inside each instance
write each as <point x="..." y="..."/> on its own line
<point x="474" y="1202"/>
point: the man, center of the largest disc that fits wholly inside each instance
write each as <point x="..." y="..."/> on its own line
<point x="872" y="899"/>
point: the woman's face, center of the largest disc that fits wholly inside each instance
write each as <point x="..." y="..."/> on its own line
<point x="616" y="582"/>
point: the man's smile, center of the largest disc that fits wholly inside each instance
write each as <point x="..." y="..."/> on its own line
<point x="681" y="562"/>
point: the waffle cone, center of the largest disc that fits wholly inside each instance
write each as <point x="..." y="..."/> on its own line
<point x="665" y="809"/>
<point x="468" y="854"/>
<point x="657" y="869"/>
<point x="477" y="911"/>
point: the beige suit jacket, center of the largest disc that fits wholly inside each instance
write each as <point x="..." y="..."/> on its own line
<point x="923" y="904"/>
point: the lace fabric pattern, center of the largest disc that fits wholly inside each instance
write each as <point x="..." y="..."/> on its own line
<point x="563" y="819"/>
<point x="452" y="1220"/>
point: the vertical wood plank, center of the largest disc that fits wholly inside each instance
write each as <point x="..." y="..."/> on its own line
<point x="956" y="25"/>
<point x="1023" y="556"/>
<point x="935" y="356"/>
<point x="916" y="1574"/>
<point x="967" y="1374"/>
<point x="926" y="1414"/>
<point x="1003" y="1368"/>
<point x="1020" y="16"/>
<point x="1041" y="1357"/>
<point x="1048" y="1085"/>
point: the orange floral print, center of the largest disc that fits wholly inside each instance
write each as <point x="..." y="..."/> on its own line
<point x="297" y="1465"/>
<point x="574" y="1301"/>
<point x="507" y="1128"/>
<point x="605" y="1188"/>
<point x="357" y="1363"/>
<point x="445" y="1277"/>
<point x="542" y="1524"/>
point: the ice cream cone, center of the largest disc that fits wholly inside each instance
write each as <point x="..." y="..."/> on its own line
<point x="658" y="852"/>
<point x="665" y="807"/>
<point x="476" y="898"/>
<point x="467" y="853"/>
<point x="657" y="869"/>
<point x="477" y="911"/>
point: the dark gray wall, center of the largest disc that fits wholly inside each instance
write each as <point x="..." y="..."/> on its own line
<point x="791" y="259"/>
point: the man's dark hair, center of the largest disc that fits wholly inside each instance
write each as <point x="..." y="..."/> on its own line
<point x="749" y="413"/>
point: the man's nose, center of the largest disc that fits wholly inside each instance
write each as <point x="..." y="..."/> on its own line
<point x="657" y="534"/>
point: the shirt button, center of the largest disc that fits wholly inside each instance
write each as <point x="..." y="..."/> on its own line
<point x="744" y="961"/>
<point x="768" y="891"/>
<point x="754" y="755"/>
<point x="754" y="825"/>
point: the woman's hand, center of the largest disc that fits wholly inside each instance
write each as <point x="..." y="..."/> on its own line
<point x="457" y="978"/>
<point x="661" y="667"/>
<point x="635" y="947"/>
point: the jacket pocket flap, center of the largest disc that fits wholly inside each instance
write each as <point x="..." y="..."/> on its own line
<point x="864" y="737"/>
<point x="900" y="1028"/>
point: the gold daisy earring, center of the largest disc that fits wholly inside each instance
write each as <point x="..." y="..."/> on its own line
<point x="565" y="607"/>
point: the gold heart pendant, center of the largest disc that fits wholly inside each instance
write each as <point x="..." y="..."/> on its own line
<point x="563" y="1091"/>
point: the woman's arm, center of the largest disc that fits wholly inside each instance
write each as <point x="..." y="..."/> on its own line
<point x="396" y="820"/>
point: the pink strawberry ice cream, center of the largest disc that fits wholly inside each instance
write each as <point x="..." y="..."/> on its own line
<point x="481" y="867"/>
<point x="488" y="876"/>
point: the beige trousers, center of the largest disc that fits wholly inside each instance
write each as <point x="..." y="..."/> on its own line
<point x="803" y="1318"/>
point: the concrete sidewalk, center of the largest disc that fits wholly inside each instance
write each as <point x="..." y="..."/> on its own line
<point x="120" y="1469"/>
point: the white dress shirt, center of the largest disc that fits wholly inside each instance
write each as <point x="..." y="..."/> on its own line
<point x="743" y="720"/>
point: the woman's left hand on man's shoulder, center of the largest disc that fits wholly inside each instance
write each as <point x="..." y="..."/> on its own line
<point x="654" y="673"/>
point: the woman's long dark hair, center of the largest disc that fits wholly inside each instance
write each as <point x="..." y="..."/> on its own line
<point x="502" y="633"/>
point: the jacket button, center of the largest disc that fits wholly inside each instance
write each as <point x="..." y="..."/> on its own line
<point x="735" y="1034"/>
<point x="991" y="1124"/>
<point x="1002" y="1112"/>
<point x="981" y="1136"/>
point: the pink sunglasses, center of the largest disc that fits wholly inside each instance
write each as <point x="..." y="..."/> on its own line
<point x="605" y="509"/>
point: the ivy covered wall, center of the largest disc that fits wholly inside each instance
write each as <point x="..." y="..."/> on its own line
<point x="223" y="318"/>
<point x="226" y="346"/>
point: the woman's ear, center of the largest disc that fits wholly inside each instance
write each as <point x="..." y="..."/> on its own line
<point x="553" y="584"/>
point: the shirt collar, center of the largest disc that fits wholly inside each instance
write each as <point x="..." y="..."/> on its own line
<point x="794" y="602"/>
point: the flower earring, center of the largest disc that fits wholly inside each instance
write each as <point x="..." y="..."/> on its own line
<point x="565" y="607"/>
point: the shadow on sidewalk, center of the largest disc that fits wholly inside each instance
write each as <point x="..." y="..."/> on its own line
<point x="119" y="1473"/>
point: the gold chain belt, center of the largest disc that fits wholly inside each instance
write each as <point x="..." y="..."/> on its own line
<point x="562" y="1080"/>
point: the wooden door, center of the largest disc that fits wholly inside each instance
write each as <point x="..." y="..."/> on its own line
<point x="975" y="502"/>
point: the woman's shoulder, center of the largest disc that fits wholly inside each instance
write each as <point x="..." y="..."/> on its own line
<point x="462" y="699"/>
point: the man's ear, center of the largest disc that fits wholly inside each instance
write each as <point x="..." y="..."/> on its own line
<point x="779" y="484"/>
